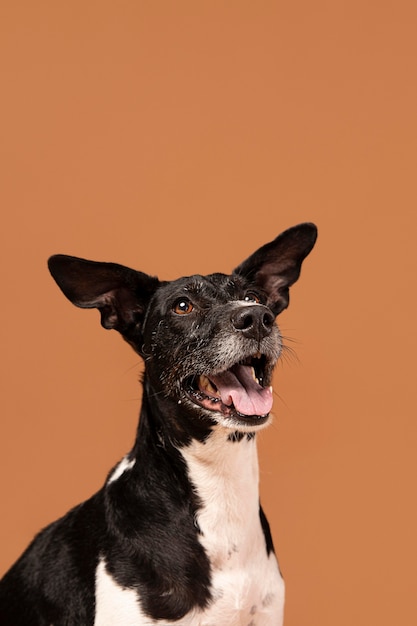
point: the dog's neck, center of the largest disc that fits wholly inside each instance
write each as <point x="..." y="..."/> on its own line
<point x="219" y="461"/>
<point x="222" y="466"/>
<point x="225" y="476"/>
<point x="225" y="466"/>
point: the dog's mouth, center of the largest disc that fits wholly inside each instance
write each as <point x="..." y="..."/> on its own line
<point x="241" y="392"/>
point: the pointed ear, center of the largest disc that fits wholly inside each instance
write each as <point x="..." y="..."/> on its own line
<point x="119" y="293"/>
<point x="277" y="265"/>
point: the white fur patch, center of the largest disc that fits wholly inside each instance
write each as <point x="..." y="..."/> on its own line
<point x="246" y="583"/>
<point x="124" y="465"/>
<point x="115" y="605"/>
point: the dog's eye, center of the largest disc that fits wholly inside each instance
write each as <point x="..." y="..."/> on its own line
<point x="252" y="297"/>
<point x="183" y="306"/>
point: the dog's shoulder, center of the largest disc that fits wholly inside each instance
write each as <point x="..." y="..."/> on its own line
<point x="55" y="575"/>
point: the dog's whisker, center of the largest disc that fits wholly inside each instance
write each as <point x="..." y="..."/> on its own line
<point x="137" y="365"/>
<point x="281" y="399"/>
<point x="288" y="354"/>
<point x="286" y="337"/>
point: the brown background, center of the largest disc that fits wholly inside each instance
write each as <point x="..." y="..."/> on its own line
<point x="177" y="137"/>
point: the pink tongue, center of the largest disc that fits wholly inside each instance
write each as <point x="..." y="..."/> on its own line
<point x="237" y="387"/>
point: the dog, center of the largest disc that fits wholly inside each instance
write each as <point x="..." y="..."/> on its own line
<point x="176" y="535"/>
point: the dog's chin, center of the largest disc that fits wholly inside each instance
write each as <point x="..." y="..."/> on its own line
<point x="225" y="415"/>
<point x="238" y="397"/>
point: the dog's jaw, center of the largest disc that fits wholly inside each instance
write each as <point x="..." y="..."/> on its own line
<point x="238" y="396"/>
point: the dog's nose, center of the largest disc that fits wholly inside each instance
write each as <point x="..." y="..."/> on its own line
<point x="254" y="322"/>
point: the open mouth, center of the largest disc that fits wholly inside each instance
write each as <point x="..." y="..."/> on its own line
<point x="240" y="392"/>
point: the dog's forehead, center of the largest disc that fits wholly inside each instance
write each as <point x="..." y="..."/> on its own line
<point x="223" y="286"/>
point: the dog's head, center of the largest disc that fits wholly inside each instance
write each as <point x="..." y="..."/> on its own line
<point x="209" y="343"/>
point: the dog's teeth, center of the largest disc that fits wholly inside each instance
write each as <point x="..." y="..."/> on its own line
<point x="206" y="386"/>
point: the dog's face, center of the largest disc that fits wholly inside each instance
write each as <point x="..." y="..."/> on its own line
<point x="209" y="343"/>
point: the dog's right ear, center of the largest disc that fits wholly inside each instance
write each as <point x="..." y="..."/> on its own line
<point x="277" y="265"/>
<point x="118" y="292"/>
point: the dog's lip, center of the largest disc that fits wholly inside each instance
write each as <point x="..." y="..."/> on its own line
<point x="240" y="391"/>
<point x="228" y="412"/>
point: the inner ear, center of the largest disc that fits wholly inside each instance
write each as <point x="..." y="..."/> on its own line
<point x="119" y="310"/>
<point x="120" y="294"/>
<point x="277" y="265"/>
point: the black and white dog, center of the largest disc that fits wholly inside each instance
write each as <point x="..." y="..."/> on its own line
<point x="176" y="535"/>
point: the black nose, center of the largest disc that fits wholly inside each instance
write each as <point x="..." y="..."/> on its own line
<point x="254" y="322"/>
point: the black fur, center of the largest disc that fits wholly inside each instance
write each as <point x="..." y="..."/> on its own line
<point x="143" y="523"/>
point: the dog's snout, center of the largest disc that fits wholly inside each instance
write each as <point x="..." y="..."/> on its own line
<point x="254" y="322"/>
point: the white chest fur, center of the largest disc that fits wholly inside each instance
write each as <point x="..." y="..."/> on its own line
<point x="246" y="584"/>
<point x="247" y="587"/>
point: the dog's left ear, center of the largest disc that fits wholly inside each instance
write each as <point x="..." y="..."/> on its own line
<point x="277" y="265"/>
<point x="118" y="292"/>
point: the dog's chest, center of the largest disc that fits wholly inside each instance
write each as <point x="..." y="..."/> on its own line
<point x="246" y="585"/>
